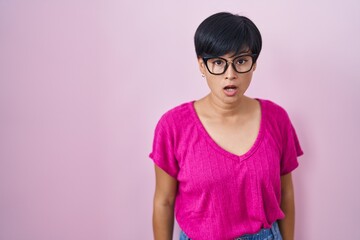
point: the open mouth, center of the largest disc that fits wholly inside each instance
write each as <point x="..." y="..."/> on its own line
<point x="230" y="88"/>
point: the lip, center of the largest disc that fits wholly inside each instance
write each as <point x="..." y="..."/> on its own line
<point x="232" y="92"/>
<point x="230" y="86"/>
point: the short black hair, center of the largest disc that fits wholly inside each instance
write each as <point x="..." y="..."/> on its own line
<point x="224" y="33"/>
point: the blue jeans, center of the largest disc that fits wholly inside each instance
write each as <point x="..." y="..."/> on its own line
<point x="272" y="233"/>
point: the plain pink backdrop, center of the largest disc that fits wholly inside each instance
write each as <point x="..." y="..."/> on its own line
<point x="83" y="83"/>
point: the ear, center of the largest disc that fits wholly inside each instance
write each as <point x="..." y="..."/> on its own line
<point x="254" y="67"/>
<point x="202" y="66"/>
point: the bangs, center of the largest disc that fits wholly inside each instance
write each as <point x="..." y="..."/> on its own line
<point x="227" y="41"/>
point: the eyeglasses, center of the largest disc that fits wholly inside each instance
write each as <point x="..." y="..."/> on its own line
<point x="218" y="65"/>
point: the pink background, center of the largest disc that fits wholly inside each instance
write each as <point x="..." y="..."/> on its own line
<point x="83" y="83"/>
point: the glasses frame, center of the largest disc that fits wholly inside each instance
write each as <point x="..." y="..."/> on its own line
<point x="205" y="59"/>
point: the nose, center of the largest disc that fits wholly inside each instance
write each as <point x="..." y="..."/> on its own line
<point x="230" y="72"/>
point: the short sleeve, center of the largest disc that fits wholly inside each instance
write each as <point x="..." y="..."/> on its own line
<point x="163" y="149"/>
<point x="291" y="149"/>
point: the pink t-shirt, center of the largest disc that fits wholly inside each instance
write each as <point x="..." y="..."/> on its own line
<point x="221" y="195"/>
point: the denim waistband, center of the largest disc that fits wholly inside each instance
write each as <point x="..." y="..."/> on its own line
<point x="272" y="233"/>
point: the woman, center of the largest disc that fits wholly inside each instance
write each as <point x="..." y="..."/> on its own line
<point x="223" y="163"/>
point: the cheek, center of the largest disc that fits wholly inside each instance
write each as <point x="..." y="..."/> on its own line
<point x="247" y="79"/>
<point x="213" y="84"/>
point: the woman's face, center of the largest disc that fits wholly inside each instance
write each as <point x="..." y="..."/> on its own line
<point x="230" y="86"/>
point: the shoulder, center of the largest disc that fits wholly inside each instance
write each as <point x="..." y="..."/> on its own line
<point x="272" y="106"/>
<point x="180" y="109"/>
<point x="273" y="110"/>
<point x="275" y="116"/>
<point x="177" y="115"/>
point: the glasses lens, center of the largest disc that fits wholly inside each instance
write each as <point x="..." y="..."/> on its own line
<point x="243" y="63"/>
<point x="216" y="65"/>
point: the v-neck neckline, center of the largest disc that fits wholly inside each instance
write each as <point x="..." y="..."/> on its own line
<point x="220" y="149"/>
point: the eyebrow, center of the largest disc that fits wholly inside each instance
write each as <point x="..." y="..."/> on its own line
<point x="231" y="57"/>
<point x="235" y="56"/>
<point x="248" y="52"/>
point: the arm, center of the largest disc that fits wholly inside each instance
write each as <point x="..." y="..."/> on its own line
<point x="287" y="225"/>
<point x="163" y="212"/>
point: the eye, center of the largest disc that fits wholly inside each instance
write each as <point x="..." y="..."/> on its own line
<point x="218" y="62"/>
<point x="240" y="61"/>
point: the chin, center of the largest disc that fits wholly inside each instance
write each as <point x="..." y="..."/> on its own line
<point x="234" y="99"/>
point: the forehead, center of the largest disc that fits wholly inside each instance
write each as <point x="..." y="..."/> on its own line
<point x="233" y="55"/>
